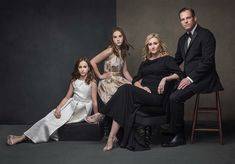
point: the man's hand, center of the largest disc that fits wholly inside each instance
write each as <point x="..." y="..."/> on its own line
<point x="184" y="83"/>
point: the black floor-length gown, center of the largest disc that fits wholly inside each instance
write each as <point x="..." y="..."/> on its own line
<point x="128" y="98"/>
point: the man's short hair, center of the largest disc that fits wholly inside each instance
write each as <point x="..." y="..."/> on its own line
<point x="187" y="9"/>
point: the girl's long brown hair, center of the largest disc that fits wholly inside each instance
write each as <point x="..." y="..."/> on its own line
<point x="76" y="74"/>
<point x="125" y="45"/>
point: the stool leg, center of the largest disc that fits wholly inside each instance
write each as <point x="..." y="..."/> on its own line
<point x="195" y="114"/>
<point x="219" y="117"/>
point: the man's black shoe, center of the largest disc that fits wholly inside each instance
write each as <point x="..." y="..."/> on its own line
<point x="179" y="139"/>
<point x="165" y="130"/>
<point x="165" y="126"/>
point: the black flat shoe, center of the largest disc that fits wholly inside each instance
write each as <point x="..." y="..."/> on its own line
<point x="178" y="140"/>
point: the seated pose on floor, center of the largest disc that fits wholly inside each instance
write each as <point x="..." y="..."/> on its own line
<point x="154" y="72"/>
<point x="115" y="69"/>
<point x="74" y="107"/>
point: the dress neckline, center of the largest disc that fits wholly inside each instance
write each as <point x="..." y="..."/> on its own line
<point x="80" y="80"/>
<point x="149" y="60"/>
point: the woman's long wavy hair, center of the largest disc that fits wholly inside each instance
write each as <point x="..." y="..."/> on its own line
<point x="76" y="74"/>
<point x="163" y="48"/>
<point x="125" y="44"/>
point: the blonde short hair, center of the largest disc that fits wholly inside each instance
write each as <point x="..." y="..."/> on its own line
<point x="163" y="48"/>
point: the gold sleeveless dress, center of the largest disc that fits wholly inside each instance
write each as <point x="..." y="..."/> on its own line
<point x="107" y="87"/>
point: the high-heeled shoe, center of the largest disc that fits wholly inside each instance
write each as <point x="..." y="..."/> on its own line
<point x="111" y="143"/>
<point x="95" y="118"/>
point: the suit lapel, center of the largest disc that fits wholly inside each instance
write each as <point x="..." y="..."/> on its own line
<point x="185" y="44"/>
<point x="193" y="38"/>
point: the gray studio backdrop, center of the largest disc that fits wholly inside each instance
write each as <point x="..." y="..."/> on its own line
<point x="141" y="17"/>
<point x="40" y="41"/>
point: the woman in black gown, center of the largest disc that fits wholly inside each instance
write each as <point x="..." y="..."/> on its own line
<point x="147" y="89"/>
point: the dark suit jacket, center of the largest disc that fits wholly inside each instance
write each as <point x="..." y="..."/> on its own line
<point x="199" y="60"/>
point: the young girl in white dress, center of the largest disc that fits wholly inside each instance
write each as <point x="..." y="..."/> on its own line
<point x="78" y="103"/>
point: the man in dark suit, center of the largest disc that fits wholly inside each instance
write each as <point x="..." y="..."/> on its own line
<point x="196" y="48"/>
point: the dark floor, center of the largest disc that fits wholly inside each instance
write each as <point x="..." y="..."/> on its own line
<point x="206" y="150"/>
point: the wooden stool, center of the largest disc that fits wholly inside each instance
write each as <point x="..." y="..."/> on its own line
<point x="217" y="110"/>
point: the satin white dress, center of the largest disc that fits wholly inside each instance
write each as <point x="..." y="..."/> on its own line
<point x="75" y="110"/>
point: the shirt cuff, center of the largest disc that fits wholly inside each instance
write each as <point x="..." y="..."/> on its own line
<point x="190" y="79"/>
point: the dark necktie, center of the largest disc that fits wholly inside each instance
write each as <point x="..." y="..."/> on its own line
<point x="187" y="41"/>
<point x="189" y="35"/>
